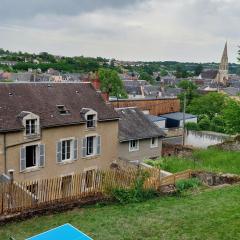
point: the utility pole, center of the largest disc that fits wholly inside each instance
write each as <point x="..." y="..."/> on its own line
<point x="184" y="118"/>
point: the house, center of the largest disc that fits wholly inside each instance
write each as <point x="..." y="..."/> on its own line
<point x="175" y="120"/>
<point x="139" y="138"/>
<point x="49" y="130"/>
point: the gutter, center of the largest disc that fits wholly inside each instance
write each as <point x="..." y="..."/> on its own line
<point x="5" y="153"/>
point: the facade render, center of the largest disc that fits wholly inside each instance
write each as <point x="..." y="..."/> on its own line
<point x="49" y="130"/>
<point x="139" y="137"/>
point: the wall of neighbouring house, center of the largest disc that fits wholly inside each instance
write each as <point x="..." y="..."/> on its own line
<point x="154" y="106"/>
<point x="161" y="124"/>
<point x="109" y="143"/>
<point x="144" y="152"/>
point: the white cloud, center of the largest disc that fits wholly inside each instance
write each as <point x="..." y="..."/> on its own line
<point x="195" y="30"/>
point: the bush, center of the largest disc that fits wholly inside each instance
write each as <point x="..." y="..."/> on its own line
<point x="192" y="126"/>
<point x="185" y="184"/>
<point x="204" y="124"/>
<point x="135" y="194"/>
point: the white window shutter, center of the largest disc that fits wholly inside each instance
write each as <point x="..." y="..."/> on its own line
<point x="75" y="149"/>
<point x="84" y="147"/>
<point x="22" y="159"/>
<point x="59" y="151"/>
<point x="98" y="145"/>
<point x="41" y="155"/>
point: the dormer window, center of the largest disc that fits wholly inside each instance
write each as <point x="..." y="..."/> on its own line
<point x="31" y="127"/>
<point x="91" y="123"/>
<point x="31" y="123"/>
<point x="63" y="110"/>
<point x="90" y="116"/>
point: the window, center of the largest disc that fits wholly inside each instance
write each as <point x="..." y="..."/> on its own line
<point x="89" y="178"/>
<point x="91" y="122"/>
<point x="31" y="156"/>
<point x="62" y="110"/>
<point x="66" y="185"/>
<point x="66" y="150"/>
<point x="154" y="143"/>
<point x="133" y="145"/>
<point x="31" y="126"/>
<point x="91" y="146"/>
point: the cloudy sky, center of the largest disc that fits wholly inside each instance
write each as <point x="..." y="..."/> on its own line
<point x="182" y="30"/>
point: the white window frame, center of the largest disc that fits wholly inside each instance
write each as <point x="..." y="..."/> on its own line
<point x="155" y="145"/>
<point x="71" y="149"/>
<point x="37" y="166"/>
<point x="31" y="116"/>
<point x="31" y="127"/>
<point x="133" y="149"/>
<point x="95" y="117"/>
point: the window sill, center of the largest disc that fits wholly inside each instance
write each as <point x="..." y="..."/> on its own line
<point x="90" y="129"/>
<point x="91" y="157"/>
<point x="133" y="150"/>
<point x="31" y="169"/>
<point x="33" y="136"/>
<point x="64" y="162"/>
<point x="153" y="146"/>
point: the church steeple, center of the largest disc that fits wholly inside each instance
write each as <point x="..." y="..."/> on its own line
<point x="222" y="76"/>
<point x="224" y="60"/>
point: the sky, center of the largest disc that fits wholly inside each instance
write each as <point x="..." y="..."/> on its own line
<point x="146" y="30"/>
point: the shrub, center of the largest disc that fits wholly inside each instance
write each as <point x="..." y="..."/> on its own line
<point x="136" y="193"/>
<point x="192" y="126"/>
<point x="204" y="124"/>
<point x="185" y="184"/>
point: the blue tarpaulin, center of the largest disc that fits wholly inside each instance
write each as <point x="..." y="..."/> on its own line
<point x="64" y="232"/>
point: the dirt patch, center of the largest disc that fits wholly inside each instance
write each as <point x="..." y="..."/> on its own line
<point x="215" y="179"/>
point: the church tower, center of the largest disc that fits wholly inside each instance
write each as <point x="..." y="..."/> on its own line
<point x="222" y="76"/>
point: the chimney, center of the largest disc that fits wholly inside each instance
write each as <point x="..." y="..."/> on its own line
<point x="105" y="96"/>
<point x="96" y="82"/>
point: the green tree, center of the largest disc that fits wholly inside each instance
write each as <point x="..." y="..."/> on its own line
<point x="210" y="104"/>
<point x="146" y="76"/>
<point x="111" y="83"/>
<point x="231" y="116"/>
<point x="205" y="124"/>
<point x="189" y="89"/>
<point x="198" y="69"/>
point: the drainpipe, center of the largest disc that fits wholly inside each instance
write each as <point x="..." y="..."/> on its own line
<point x="5" y="153"/>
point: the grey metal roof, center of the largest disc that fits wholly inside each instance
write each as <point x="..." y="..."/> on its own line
<point x="134" y="124"/>
<point x="155" y="118"/>
<point x="178" y="116"/>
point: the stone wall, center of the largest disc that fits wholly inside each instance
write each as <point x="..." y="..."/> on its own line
<point x="229" y="145"/>
<point x="176" y="150"/>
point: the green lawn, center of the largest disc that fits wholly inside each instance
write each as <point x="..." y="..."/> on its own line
<point x="210" y="160"/>
<point x="211" y="215"/>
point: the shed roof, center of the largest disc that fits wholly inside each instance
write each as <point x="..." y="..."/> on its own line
<point x="134" y="124"/>
<point x="178" y="116"/>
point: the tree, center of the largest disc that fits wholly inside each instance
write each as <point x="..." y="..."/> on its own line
<point x="146" y="76"/>
<point x="231" y="116"/>
<point x="189" y="89"/>
<point x="204" y="124"/>
<point x="198" y="69"/>
<point x="111" y="83"/>
<point x="210" y="105"/>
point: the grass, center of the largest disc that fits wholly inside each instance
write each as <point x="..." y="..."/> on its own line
<point x="208" y="215"/>
<point x="210" y="160"/>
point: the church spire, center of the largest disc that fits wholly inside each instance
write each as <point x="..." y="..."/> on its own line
<point x="224" y="61"/>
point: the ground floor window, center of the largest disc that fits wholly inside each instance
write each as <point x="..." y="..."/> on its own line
<point x="66" y="185"/>
<point x="154" y="142"/>
<point x="90" y="145"/>
<point x="134" y="145"/>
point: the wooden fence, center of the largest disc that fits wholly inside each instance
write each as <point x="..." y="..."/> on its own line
<point x="20" y="196"/>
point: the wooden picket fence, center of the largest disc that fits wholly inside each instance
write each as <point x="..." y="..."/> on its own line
<point x="20" y="196"/>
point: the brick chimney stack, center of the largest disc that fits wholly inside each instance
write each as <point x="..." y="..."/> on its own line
<point x="97" y="85"/>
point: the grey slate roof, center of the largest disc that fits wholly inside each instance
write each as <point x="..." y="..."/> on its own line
<point x="232" y="91"/>
<point x="42" y="99"/>
<point x="178" y="116"/>
<point x="134" y="124"/>
<point x="209" y="73"/>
